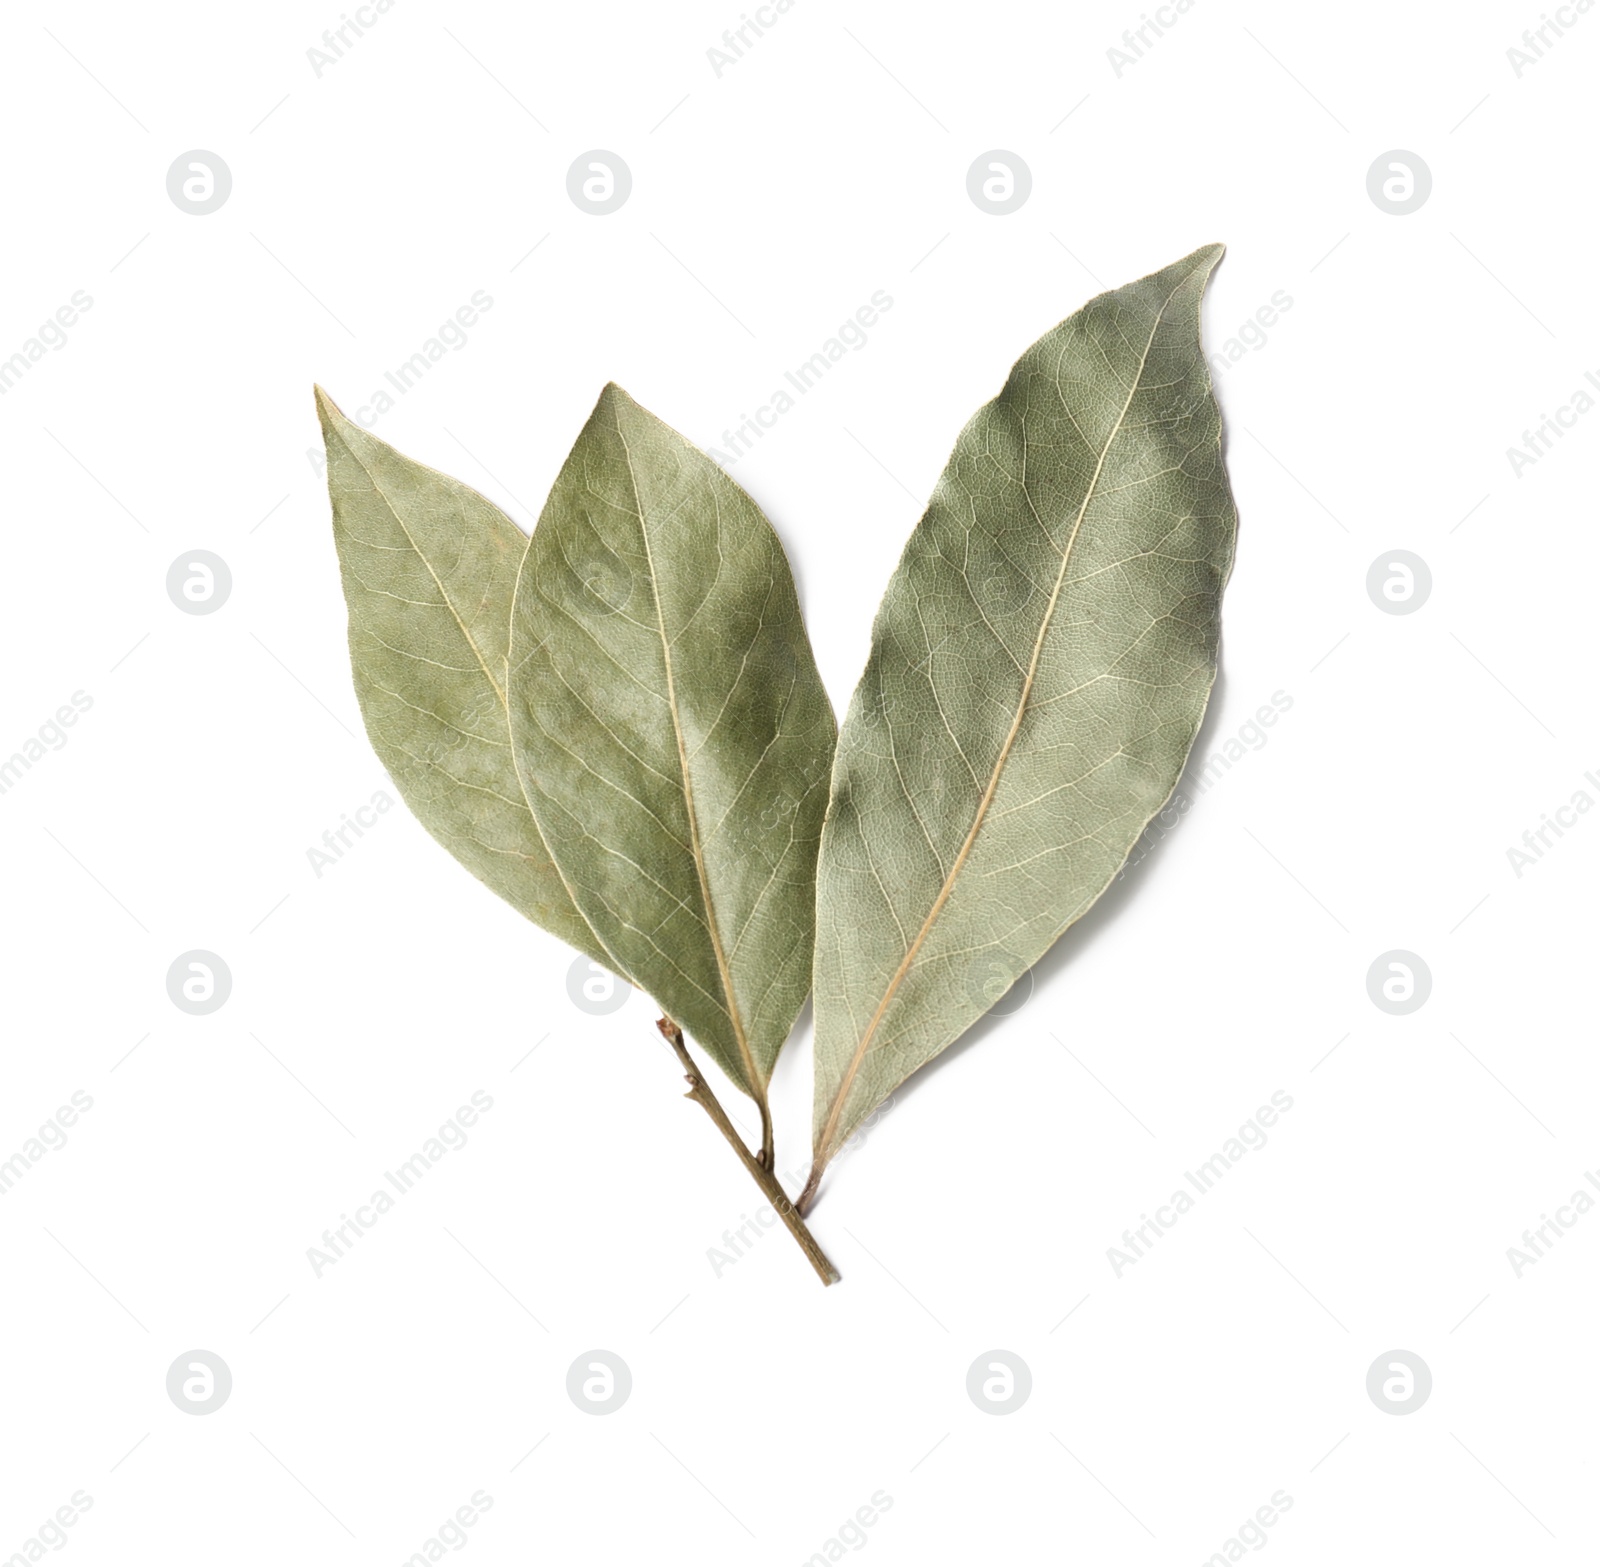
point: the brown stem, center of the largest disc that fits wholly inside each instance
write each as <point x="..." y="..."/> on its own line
<point x="762" y="1174"/>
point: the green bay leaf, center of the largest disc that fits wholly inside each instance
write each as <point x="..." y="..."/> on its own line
<point x="672" y="732"/>
<point x="429" y="569"/>
<point x="1039" y="668"/>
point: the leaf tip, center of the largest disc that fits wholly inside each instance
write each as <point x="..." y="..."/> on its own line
<point x="614" y="396"/>
<point x="327" y="410"/>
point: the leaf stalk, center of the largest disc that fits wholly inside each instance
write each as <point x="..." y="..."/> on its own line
<point x="761" y="1173"/>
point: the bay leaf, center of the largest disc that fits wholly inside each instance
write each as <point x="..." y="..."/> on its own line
<point x="1039" y="668"/>
<point x="672" y="732"/>
<point x="429" y="568"/>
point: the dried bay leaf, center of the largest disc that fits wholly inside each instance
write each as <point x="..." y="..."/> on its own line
<point x="429" y="568"/>
<point x="672" y="733"/>
<point x="1039" y="668"/>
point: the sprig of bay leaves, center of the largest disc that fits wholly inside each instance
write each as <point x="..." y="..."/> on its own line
<point x="617" y="723"/>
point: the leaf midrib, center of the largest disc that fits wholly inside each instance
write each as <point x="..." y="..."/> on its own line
<point x="842" y="1094"/>
<point x="752" y="1076"/>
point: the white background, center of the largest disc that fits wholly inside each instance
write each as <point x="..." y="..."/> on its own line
<point x="768" y="203"/>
